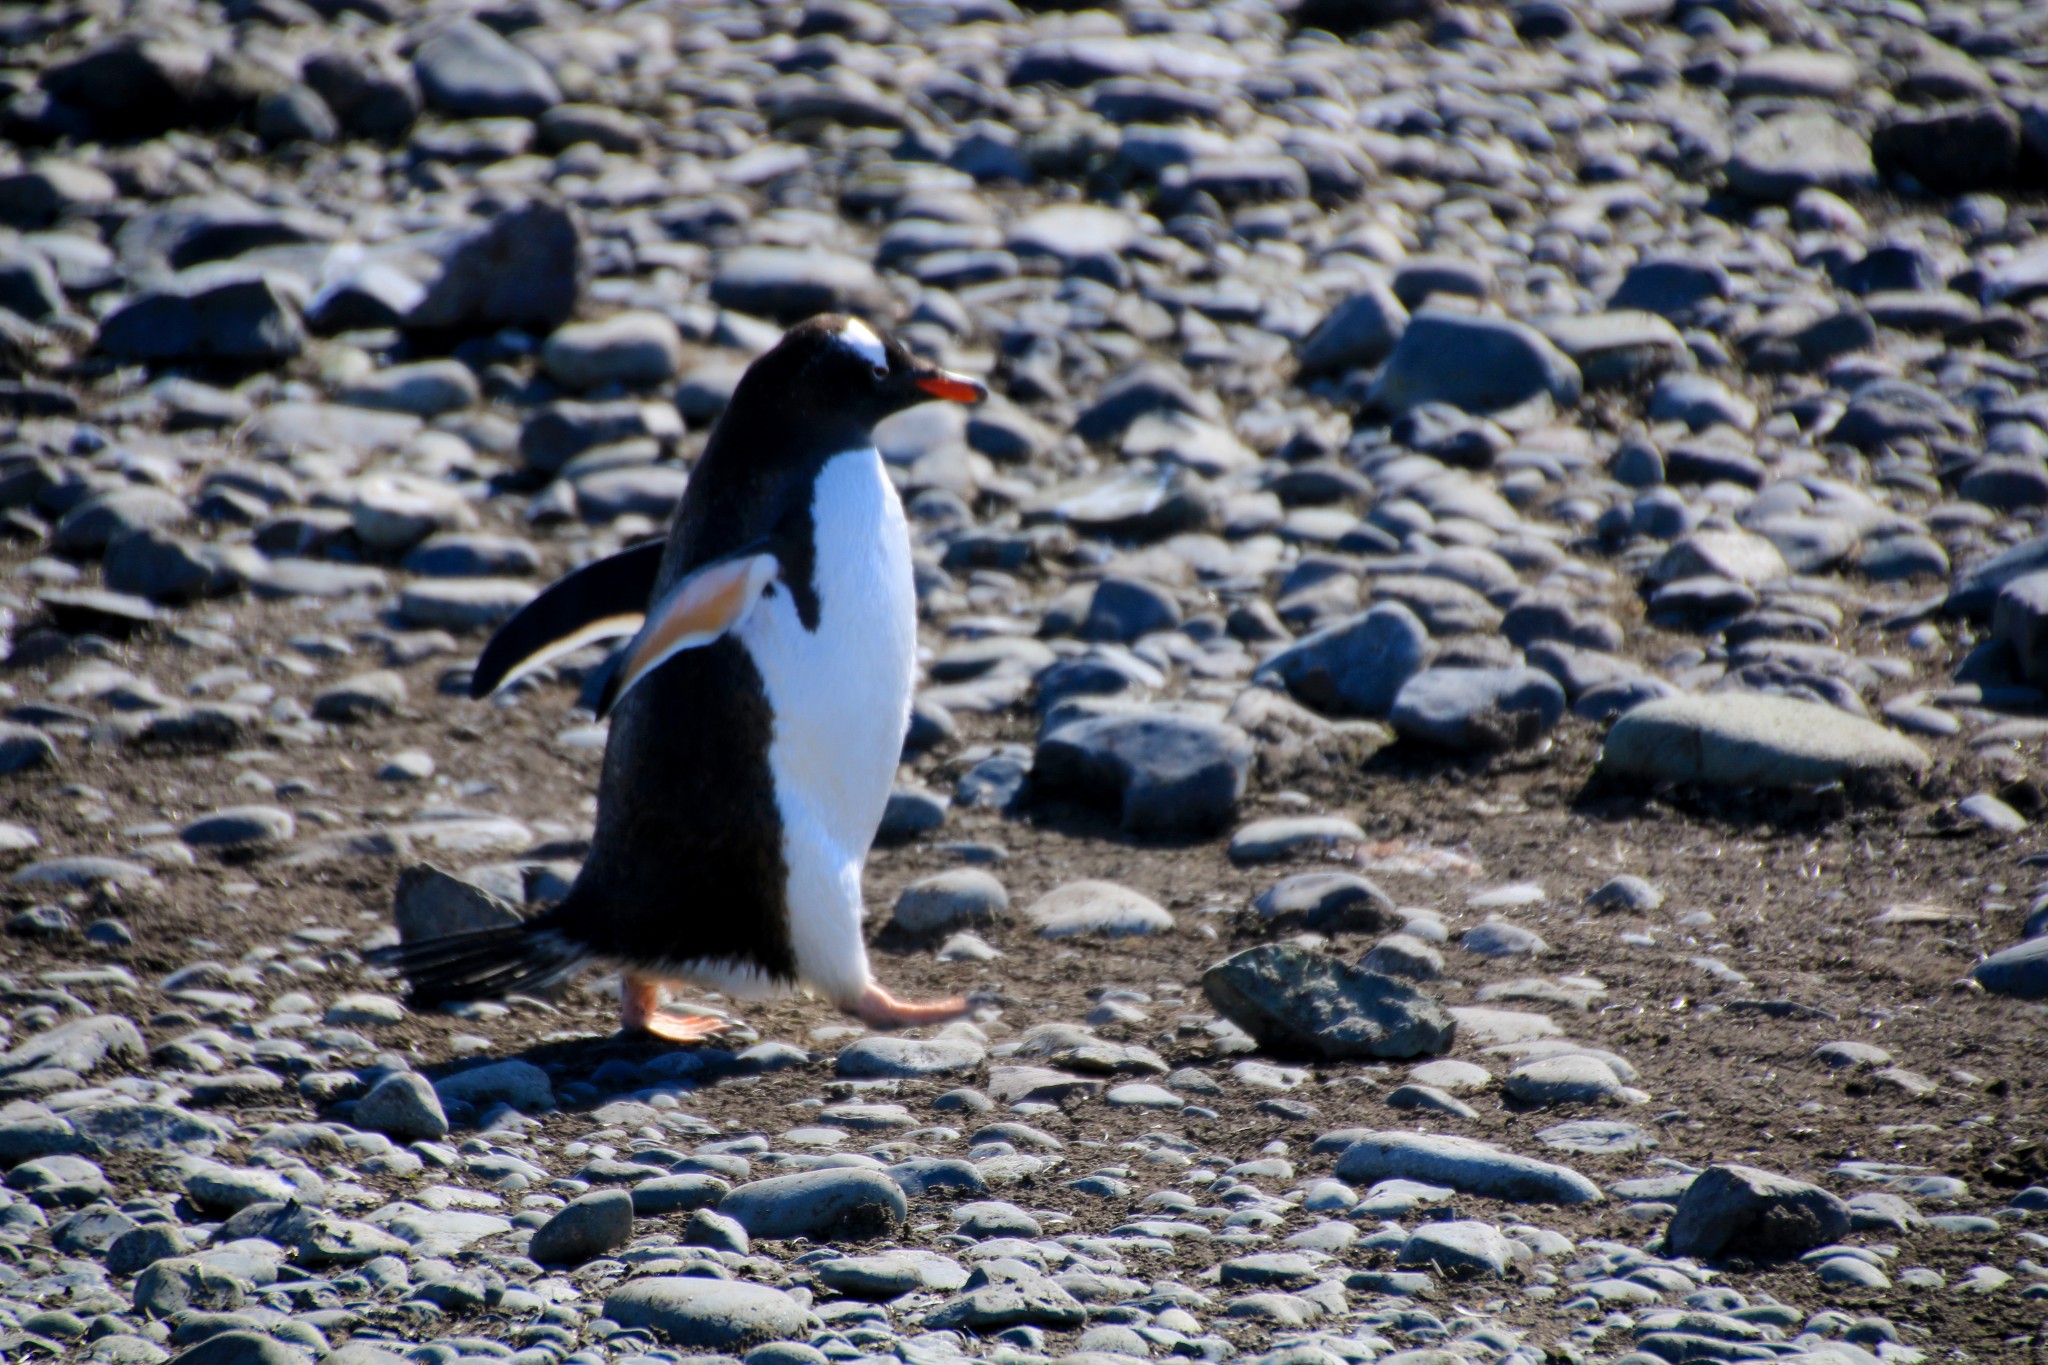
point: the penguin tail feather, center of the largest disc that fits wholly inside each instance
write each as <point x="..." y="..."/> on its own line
<point x="518" y="959"/>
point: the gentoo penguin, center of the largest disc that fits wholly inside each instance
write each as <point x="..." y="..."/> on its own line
<point x="756" y="717"/>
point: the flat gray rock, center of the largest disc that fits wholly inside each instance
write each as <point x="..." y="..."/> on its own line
<point x="1036" y="1301"/>
<point x="890" y="1274"/>
<point x="1781" y="156"/>
<point x="902" y="1058"/>
<point x="1596" y="1137"/>
<point x="1289" y="836"/>
<point x="1464" y="1164"/>
<point x="1092" y="907"/>
<point x="708" y="1315"/>
<point x="1742" y="739"/>
<point x="1460" y="1249"/>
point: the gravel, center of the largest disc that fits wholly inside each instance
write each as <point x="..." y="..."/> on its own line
<point x="1521" y="524"/>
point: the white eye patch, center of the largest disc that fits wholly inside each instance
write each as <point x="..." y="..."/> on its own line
<point x="858" y="337"/>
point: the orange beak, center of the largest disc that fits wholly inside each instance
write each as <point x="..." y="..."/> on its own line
<point x="954" y="388"/>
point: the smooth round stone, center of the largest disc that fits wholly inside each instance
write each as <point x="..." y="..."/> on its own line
<point x="1781" y="156"/>
<point x="1164" y="773"/>
<point x="1496" y="939"/>
<point x="1360" y="331"/>
<point x="1568" y="1080"/>
<point x="1451" y="1075"/>
<point x="1476" y="710"/>
<point x="707" y="1314"/>
<point x="987" y="1219"/>
<point x="1143" y="1095"/>
<point x="23" y="747"/>
<point x="1460" y="1249"/>
<point x="1848" y="1270"/>
<point x="834" y="1203"/>
<point x="1328" y="902"/>
<point x="634" y="349"/>
<point x="1842" y="1056"/>
<point x="362" y="697"/>
<point x="666" y="1194"/>
<point x="1356" y="666"/>
<point x="791" y="283"/>
<point x="890" y="1274"/>
<point x="1404" y="955"/>
<point x="514" y="1081"/>
<point x="462" y="604"/>
<point x="83" y="870"/>
<point x="240" y="827"/>
<point x="950" y="900"/>
<point x="903" y="1058"/>
<point x="2021" y="970"/>
<point x="1430" y="1099"/>
<point x="468" y="71"/>
<point x="586" y="1227"/>
<point x="466" y="554"/>
<point x="392" y="513"/>
<point x="1290" y="836"/>
<point x="1093" y="907"/>
<point x="407" y="765"/>
<point x="1625" y="893"/>
<point x="1477" y="363"/>
<point x="427" y="388"/>
<point x="402" y="1105"/>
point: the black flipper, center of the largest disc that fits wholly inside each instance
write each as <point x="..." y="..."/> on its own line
<point x="606" y="599"/>
<point x="486" y="963"/>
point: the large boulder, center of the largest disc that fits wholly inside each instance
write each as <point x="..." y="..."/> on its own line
<point x="1740" y="1210"/>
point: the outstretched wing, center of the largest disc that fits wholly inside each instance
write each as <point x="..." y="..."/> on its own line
<point x="606" y="599"/>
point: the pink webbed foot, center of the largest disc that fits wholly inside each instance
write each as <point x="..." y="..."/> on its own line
<point x="640" y="1012"/>
<point x="879" y="1009"/>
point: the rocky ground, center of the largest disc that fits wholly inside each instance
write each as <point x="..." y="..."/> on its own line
<point x="1485" y="679"/>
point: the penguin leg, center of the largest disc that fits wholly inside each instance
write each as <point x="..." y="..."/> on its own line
<point x="640" y="1011"/>
<point x="879" y="1009"/>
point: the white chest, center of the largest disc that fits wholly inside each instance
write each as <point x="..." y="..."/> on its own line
<point x="841" y="694"/>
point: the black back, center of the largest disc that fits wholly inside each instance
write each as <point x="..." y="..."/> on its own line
<point x="686" y="863"/>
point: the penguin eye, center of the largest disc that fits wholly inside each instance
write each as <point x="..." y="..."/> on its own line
<point x="881" y="371"/>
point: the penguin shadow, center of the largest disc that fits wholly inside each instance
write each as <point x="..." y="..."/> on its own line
<point x="588" y="1073"/>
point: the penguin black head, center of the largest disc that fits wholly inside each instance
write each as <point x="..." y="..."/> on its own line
<point x="835" y="373"/>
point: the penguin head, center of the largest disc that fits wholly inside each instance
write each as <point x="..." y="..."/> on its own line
<point x="857" y="375"/>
